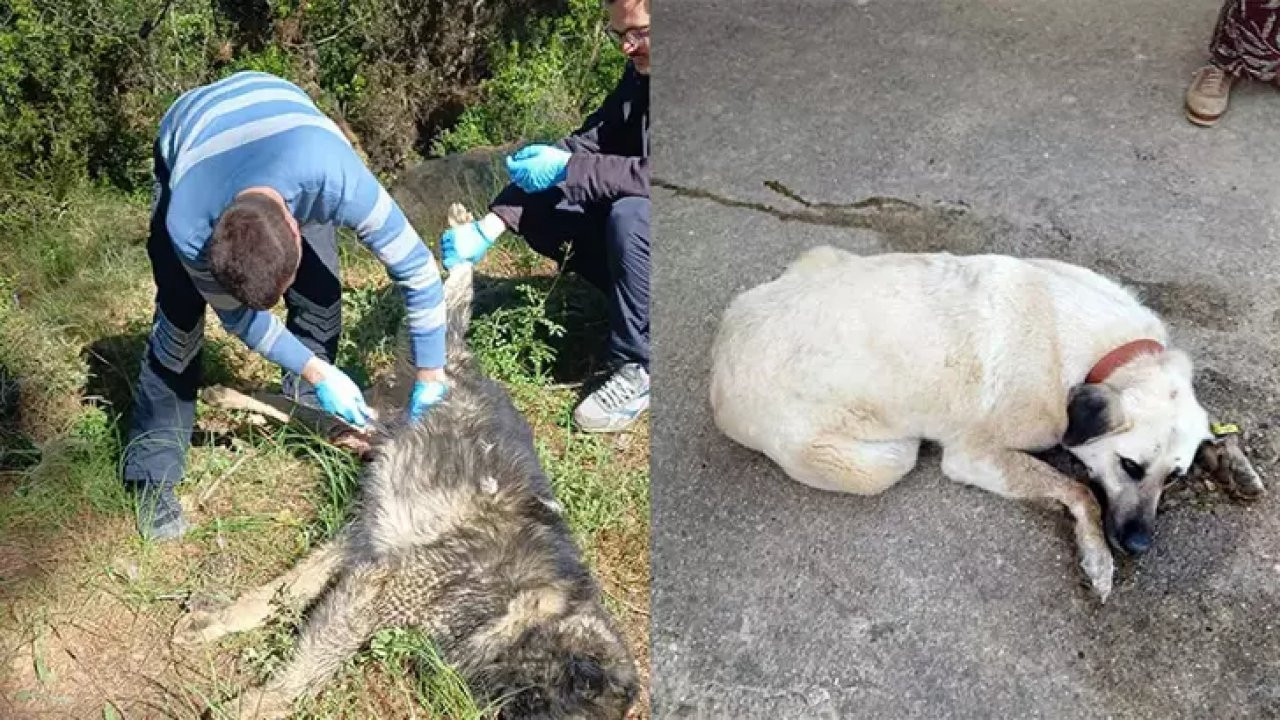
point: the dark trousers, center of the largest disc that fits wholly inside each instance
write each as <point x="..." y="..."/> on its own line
<point x="609" y="248"/>
<point x="164" y="397"/>
<point x="1244" y="40"/>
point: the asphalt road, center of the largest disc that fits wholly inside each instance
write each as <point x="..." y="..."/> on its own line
<point x="1029" y="128"/>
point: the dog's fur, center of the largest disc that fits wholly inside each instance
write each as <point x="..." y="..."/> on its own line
<point x="457" y="533"/>
<point x="838" y="369"/>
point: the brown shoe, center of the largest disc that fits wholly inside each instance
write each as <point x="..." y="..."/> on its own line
<point x="1207" y="96"/>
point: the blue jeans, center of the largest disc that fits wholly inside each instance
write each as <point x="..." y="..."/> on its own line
<point x="164" y="397"/>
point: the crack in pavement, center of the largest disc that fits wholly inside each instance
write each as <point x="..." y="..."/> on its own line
<point x="878" y="213"/>
<point x="905" y="226"/>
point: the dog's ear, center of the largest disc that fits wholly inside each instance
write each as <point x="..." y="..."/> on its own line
<point x="588" y="681"/>
<point x="1093" y="410"/>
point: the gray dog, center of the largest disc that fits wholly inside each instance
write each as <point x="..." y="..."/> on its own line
<point x="458" y="533"/>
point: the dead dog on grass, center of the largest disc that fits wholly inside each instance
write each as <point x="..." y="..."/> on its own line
<point x="458" y="533"/>
<point x="838" y="369"/>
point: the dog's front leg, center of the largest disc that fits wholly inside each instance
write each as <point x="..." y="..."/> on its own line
<point x="1014" y="474"/>
<point x="300" y="585"/>
<point x="342" y="621"/>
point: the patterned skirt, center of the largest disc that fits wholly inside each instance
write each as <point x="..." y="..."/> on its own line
<point x="1246" y="41"/>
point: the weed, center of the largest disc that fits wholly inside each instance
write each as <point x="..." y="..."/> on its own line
<point x="79" y="465"/>
<point x="436" y="687"/>
<point x="511" y="341"/>
<point x="372" y="318"/>
<point x="276" y="639"/>
<point x="598" y="492"/>
<point x="339" y="478"/>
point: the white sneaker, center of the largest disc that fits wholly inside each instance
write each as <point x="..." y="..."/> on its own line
<point x="617" y="404"/>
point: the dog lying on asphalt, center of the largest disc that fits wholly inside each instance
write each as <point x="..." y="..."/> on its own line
<point x="837" y="370"/>
<point x="458" y="533"/>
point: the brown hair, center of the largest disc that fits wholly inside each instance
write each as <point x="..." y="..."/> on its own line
<point x="253" y="253"/>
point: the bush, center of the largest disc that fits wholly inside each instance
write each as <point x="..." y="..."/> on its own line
<point x="511" y="342"/>
<point x="85" y="82"/>
<point x="541" y="89"/>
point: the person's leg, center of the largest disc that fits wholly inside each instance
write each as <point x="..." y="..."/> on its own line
<point x="1242" y="48"/>
<point x="164" y="398"/>
<point x="627" y="249"/>
<point x="314" y="304"/>
<point x="608" y="246"/>
<point x="621" y="250"/>
<point x="551" y="226"/>
<point x="588" y="254"/>
<point x="1244" y="43"/>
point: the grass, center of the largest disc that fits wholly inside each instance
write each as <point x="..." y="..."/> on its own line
<point x="86" y="608"/>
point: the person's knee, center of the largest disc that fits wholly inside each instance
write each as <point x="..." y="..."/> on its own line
<point x="629" y="220"/>
<point x="627" y="236"/>
<point x="318" y="276"/>
<point x="317" y="293"/>
<point x="176" y="344"/>
<point x="545" y="245"/>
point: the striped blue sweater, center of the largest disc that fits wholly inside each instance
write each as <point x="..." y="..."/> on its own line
<point x="254" y="129"/>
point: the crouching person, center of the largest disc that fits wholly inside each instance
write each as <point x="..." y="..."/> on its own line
<point x="590" y="193"/>
<point x="251" y="180"/>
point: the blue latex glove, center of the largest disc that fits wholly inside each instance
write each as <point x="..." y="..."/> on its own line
<point x="340" y="396"/>
<point x="464" y="243"/>
<point x="538" y="167"/>
<point x="426" y="393"/>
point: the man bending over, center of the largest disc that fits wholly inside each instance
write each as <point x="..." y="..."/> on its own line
<point x="250" y="181"/>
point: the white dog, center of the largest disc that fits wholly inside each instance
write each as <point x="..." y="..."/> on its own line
<point x="840" y="367"/>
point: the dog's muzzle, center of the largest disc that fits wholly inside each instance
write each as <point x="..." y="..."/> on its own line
<point x="1135" y="537"/>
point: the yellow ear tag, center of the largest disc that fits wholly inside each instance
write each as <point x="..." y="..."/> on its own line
<point x="1220" y="429"/>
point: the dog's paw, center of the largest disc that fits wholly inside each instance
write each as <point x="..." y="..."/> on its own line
<point x="199" y="628"/>
<point x="1238" y="472"/>
<point x="353" y="441"/>
<point x="1226" y="465"/>
<point x="459" y="215"/>
<point x="1099" y="566"/>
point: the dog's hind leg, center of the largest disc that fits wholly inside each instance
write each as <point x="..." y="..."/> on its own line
<point x="1014" y="474"/>
<point x="300" y="585"/>
<point x="841" y="464"/>
<point x="341" y="622"/>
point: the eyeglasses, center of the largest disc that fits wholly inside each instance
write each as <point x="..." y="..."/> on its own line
<point x="632" y="36"/>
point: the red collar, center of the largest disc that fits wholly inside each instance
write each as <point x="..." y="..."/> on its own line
<point x="1120" y="356"/>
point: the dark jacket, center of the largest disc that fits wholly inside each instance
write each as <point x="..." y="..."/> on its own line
<point x="610" y="153"/>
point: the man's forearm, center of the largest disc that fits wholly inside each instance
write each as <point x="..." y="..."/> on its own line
<point x="508" y="205"/>
<point x="595" y="178"/>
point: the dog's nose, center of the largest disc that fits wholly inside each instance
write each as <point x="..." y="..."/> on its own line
<point x="1136" y="540"/>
